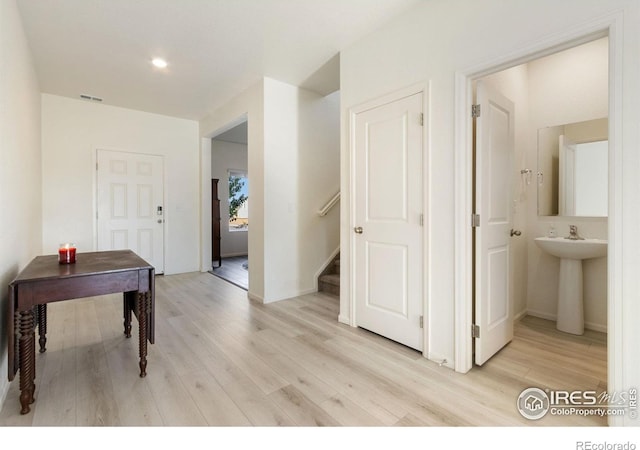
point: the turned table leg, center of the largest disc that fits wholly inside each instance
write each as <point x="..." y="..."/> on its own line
<point x="42" y="327"/>
<point x="144" y="298"/>
<point x="27" y="363"/>
<point x="126" y="308"/>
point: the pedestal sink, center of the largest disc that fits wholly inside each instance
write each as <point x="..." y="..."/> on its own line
<point x="571" y="253"/>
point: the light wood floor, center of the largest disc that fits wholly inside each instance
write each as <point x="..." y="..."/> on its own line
<point x="220" y="359"/>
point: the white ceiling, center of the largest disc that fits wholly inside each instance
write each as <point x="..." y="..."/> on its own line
<point x="215" y="48"/>
<point x="238" y="134"/>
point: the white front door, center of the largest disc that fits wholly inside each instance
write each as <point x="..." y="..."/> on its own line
<point x="130" y="204"/>
<point x="494" y="181"/>
<point x="388" y="215"/>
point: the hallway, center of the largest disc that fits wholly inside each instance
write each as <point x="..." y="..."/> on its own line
<point x="234" y="269"/>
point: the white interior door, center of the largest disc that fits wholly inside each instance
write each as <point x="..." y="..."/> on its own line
<point x="388" y="215"/>
<point x="130" y="204"/>
<point x="494" y="176"/>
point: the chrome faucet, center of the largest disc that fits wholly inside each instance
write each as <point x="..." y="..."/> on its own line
<point x="573" y="233"/>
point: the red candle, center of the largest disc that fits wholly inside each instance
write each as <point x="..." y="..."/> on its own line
<point x="67" y="254"/>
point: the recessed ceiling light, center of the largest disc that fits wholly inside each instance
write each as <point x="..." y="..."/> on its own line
<point x="159" y="62"/>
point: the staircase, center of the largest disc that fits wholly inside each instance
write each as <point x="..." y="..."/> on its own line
<point x="329" y="279"/>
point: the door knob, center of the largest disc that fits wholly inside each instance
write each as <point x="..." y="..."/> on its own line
<point x="159" y="220"/>
<point x="358" y="230"/>
<point x="515" y="232"/>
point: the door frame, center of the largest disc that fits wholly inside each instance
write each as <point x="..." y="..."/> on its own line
<point x="611" y="26"/>
<point x="419" y="88"/>
<point x="206" y="231"/>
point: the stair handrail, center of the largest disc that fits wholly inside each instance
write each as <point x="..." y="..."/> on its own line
<point x="330" y="204"/>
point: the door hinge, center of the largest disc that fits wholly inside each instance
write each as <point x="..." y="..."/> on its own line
<point x="475" y="331"/>
<point x="475" y="111"/>
<point x="421" y="119"/>
<point x="421" y="220"/>
<point x="96" y="166"/>
<point x="421" y="321"/>
<point x="475" y="220"/>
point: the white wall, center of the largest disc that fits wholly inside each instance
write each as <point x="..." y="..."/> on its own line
<point x="570" y="86"/>
<point x="592" y="179"/>
<point x="318" y="181"/>
<point x="225" y="156"/>
<point x="433" y="42"/>
<point x="301" y="161"/>
<point x="20" y="163"/>
<point x="293" y="165"/>
<point x="72" y="131"/>
<point x="280" y="190"/>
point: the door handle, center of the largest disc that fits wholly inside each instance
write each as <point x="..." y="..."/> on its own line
<point x="159" y="220"/>
<point x="358" y="230"/>
<point x="515" y="232"/>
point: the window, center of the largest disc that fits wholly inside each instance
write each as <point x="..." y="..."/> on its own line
<point x="238" y="201"/>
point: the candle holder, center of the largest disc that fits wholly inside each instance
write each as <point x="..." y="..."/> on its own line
<point x="67" y="253"/>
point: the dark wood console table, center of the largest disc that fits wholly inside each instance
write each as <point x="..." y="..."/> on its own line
<point x="45" y="281"/>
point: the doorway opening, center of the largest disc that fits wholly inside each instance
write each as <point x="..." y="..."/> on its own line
<point x="230" y="205"/>
<point x="465" y="271"/>
<point x="548" y="109"/>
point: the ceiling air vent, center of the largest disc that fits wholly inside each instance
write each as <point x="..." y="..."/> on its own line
<point x="89" y="97"/>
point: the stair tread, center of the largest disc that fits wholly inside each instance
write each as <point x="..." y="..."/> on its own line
<point x="332" y="278"/>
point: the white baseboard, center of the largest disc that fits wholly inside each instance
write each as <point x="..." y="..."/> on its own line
<point x="343" y="319"/>
<point x="299" y="293"/>
<point x="441" y="360"/>
<point x="231" y="255"/>
<point x="540" y="314"/>
<point x="587" y="325"/>
<point x="596" y="327"/>
<point x="520" y="315"/>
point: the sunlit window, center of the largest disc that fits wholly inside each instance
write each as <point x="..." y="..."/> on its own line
<point x="238" y="201"/>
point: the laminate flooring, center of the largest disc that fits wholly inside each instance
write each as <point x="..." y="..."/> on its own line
<point x="233" y="271"/>
<point x="222" y="360"/>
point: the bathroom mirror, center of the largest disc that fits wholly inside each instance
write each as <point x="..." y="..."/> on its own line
<point x="572" y="174"/>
